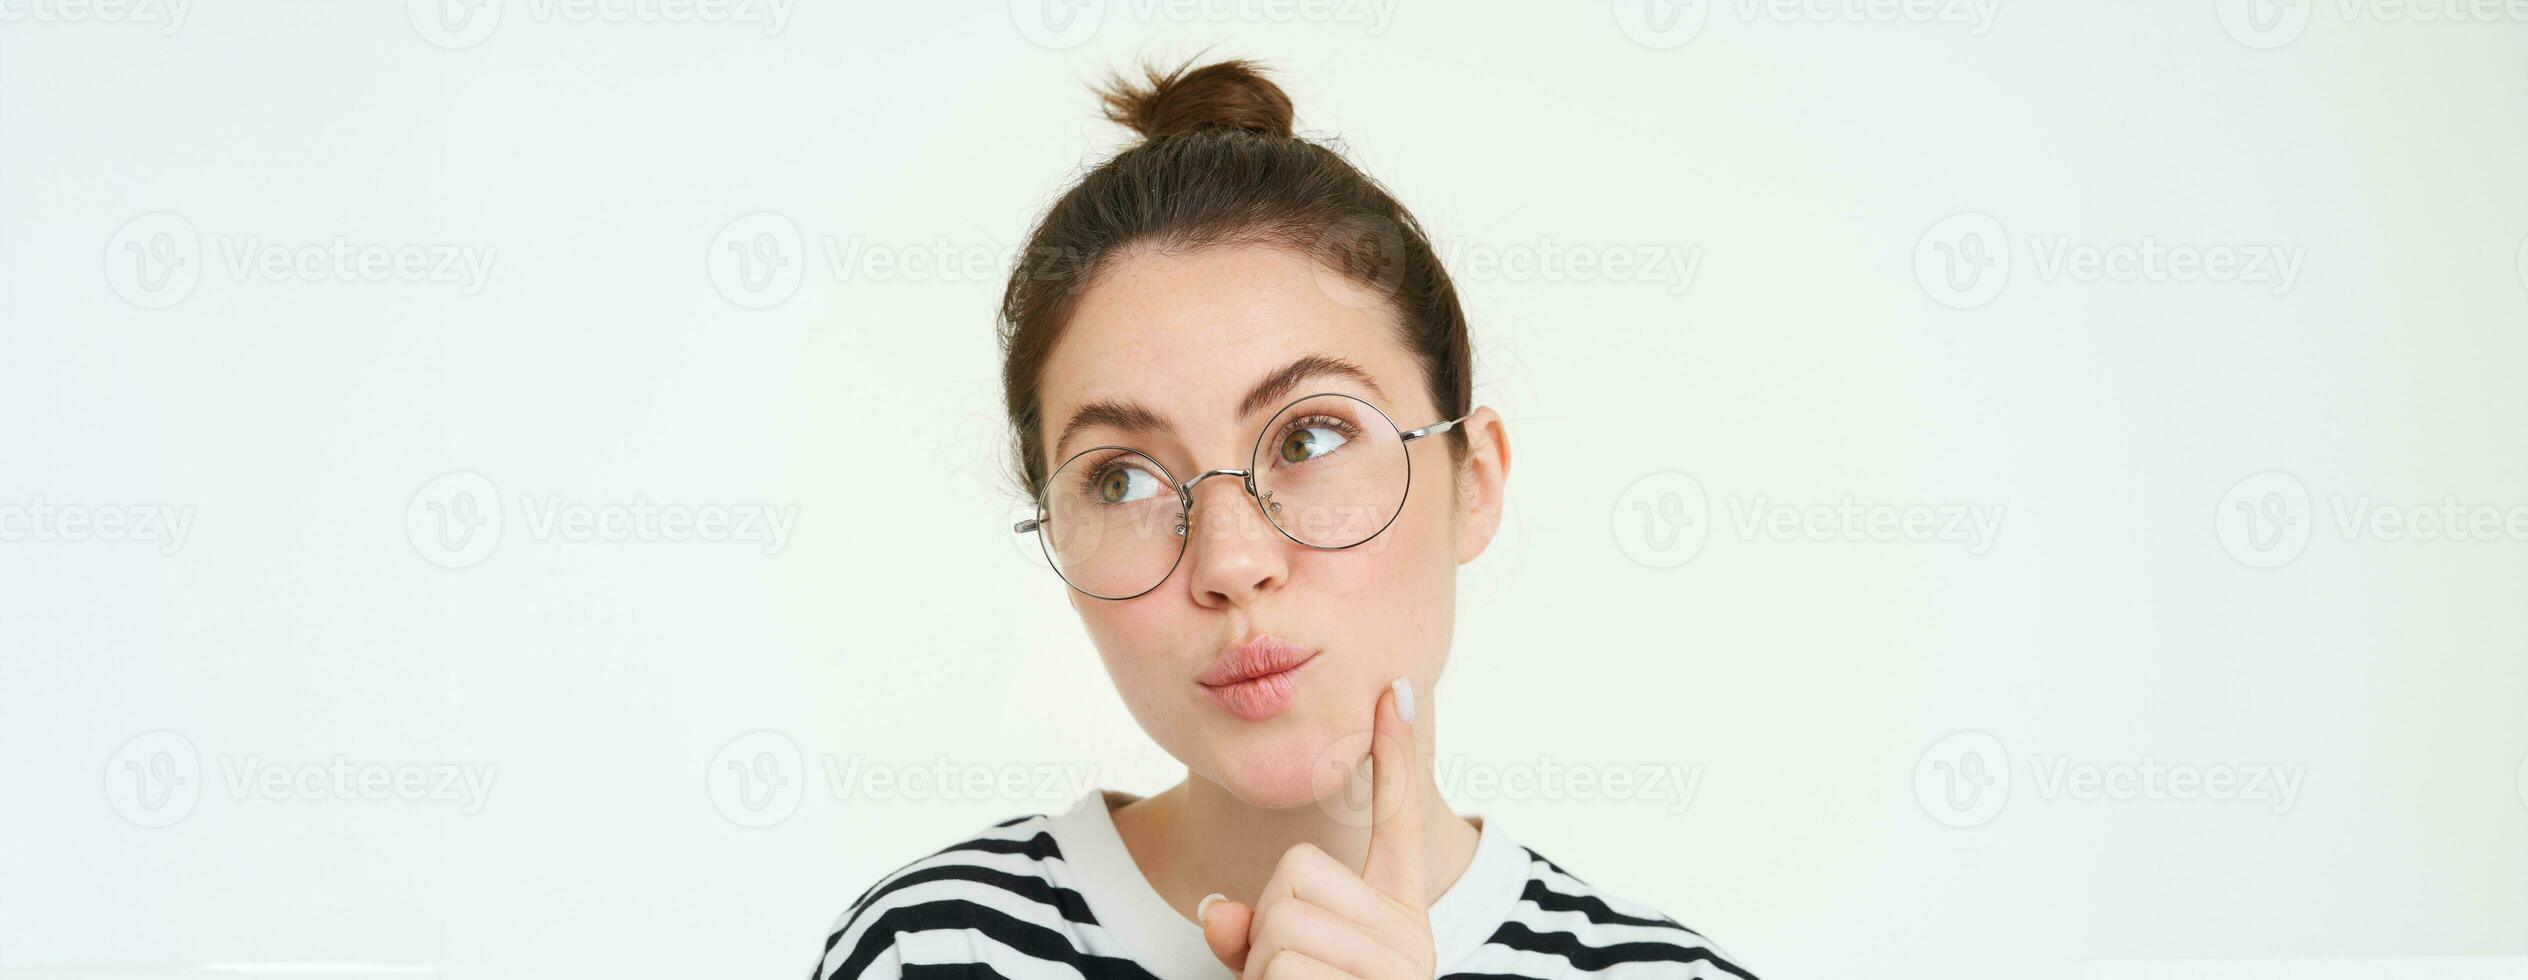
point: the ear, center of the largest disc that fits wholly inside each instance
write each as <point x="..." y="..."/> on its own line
<point x="1482" y="480"/>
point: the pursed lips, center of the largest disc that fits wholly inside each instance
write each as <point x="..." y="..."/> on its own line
<point x="1255" y="680"/>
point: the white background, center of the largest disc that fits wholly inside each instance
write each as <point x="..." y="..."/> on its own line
<point x="2143" y="602"/>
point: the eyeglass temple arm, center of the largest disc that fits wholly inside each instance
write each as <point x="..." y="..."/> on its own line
<point x="1433" y="429"/>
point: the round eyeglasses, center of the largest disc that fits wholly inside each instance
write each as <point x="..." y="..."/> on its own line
<point x="1329" y="471"/>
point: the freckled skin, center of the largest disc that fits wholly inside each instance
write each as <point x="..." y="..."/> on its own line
<point x="1187" y="334"/>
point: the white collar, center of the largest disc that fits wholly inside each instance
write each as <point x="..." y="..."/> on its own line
<point x="1170" y="944"/>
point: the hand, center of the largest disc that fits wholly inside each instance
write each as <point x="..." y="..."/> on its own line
<point x="1316" y="920"/>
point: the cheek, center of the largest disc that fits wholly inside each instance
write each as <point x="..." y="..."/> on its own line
<point x="1124" y="636"/>
<point x="1290" y="764"/>
<point x="1410" y="568"/>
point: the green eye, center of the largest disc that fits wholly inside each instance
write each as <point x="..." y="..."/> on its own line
<point x="1125" y="484"/>
<point x="1306" y="444"/>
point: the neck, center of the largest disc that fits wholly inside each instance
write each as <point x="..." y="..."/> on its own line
<point x="1196" y="838"/>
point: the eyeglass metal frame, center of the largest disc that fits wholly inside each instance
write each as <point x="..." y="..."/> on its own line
<point x="1246" y="478"/>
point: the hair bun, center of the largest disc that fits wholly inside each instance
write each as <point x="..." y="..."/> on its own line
<point x="1233" y="94"/>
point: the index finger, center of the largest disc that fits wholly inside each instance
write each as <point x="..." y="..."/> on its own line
<point x="1394" y="866"/>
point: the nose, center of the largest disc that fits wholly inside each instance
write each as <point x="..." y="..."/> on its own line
<point x="1234" y="553"/>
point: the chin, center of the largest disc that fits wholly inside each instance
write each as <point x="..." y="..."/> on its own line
<point x="1284" y="769"/>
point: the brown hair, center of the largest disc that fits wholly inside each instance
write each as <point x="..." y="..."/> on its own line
<point x="1217" y="164"/>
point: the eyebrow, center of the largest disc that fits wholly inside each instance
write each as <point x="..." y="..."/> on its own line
<point x="1133" y="417"/>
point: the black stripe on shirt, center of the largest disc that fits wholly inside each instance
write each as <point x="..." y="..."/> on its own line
<point x="1038" y="848"/>
<point x="1593" y="908"/>
<point x="951" y="971"/>
<point x="1027" y="938"/>
<point x="1516" y="935"/>
<point x="1557" y="869"/>
<point x="1032" y="888"/>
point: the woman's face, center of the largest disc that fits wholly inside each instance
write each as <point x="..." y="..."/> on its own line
<point x="1188" y="336"/>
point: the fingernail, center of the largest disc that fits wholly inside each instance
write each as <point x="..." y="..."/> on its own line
<point x="1202" y="909"/>
<point x="1404" y="698"/>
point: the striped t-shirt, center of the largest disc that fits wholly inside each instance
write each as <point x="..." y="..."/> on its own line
<point x="1059" y="898"/>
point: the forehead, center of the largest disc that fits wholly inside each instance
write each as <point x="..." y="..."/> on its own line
<point x="1186" y="334"/>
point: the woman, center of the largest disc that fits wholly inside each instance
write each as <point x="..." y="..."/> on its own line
<point x="1224" y="300"/>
